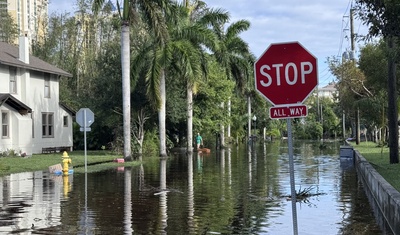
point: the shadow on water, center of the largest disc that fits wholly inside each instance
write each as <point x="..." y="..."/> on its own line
<point x="229" y="191"/>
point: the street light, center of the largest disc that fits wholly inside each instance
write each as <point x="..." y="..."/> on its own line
<point x="255" y="124"/>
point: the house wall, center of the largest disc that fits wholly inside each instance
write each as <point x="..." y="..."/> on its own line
<point x="4" y="79"/>
<point x="20" y="136"/>
<point x="20" y="126"/>
<point x="22" y="132"/>
<point x="41" y="104"/>
<point x="30" y="91"/>
<point x="5" y="143"/>
<point x="22" y="79"/>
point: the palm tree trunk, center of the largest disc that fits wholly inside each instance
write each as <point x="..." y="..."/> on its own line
<point x="392" y="104"/>
<point x="126" y="90"/>
<point x="228" y="131"/>
<point x="161" y="116"/>
<point x="249" y="116"/>
<point x="222" y="136"/>
<point x="189" y="100"/>
<point x="128" y="201"/>
<point x="222" y="133"/>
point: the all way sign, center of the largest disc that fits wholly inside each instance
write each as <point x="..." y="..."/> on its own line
<point x="296" y="111"/>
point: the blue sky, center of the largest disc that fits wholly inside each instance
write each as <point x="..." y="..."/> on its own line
<point x="321" y="26"/>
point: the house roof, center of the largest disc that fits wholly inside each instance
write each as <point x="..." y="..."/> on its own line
<point x="68" y="109"/>
<point x="329" y="87"/>
<point x="9" y="55"/>
<point x="14" y="103"/>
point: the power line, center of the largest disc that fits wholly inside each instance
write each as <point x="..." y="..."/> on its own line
<point x="345" y="26"/>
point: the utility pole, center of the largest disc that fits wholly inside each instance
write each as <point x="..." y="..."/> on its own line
<point x="352" y="57"/>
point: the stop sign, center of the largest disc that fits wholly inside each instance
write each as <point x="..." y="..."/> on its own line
<point x="286" y="73"/>
<point x="85" y="117"/>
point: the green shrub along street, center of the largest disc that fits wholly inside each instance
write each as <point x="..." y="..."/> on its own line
<point x="378" y="157"/>
<point x="96" y="161"/>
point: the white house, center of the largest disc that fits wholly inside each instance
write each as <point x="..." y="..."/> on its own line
<point x="32" y="117"/>
<point x="328" y="91"/>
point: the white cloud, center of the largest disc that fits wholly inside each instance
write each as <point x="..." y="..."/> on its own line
<point x="316" y="24"/>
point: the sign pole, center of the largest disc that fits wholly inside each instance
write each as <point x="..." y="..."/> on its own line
<point x="85" y="118"/>
<point x="291" y="171"/>
<point x="84" y="137"/>
<point x="285" y="75"/>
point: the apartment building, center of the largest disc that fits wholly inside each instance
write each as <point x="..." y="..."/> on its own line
<point x="30" y="16"/>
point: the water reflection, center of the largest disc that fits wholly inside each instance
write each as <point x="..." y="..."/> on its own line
<point x="231" y="191"/>
<point x="191" y="222"/>
<point x="163" y="196"/>
<point x="128" y="201"/>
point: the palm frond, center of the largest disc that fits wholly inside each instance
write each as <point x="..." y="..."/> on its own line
<point x="97" y="5"/>
<point x="236" y="28"/>
<point x="153" y="81"/>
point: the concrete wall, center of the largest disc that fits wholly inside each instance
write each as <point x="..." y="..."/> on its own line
<point x="384" y="198"/>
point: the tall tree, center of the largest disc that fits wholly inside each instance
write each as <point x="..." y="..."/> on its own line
<point x="152" y="13"/>
<point x="373" y="62"/>
<point x="183" y="55"/>
<point x="233" y="55"/>
<point x="8" y="28"/>
<point x="352" y="88"/>
<point x="196" y="31"/>
<point x="382" y="17"/>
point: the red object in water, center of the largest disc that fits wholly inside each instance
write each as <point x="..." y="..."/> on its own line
<point x="204" y="150"/>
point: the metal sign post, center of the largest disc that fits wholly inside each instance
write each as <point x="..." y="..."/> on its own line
<point x="85" y="118"/>
<point x="285" y="75"/>
<point x="84" y="137"/>
<point x="292" y="183"/>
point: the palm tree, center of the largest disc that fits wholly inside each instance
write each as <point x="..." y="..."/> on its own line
<point x="184" y="54"/>
<point x="234" y="57"/>
<point x="195" y="31"/>
<point x="153" y="59"/>
<point x="152" y="12"/>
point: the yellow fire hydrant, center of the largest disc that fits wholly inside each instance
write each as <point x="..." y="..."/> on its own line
<point x="65" y="160"/>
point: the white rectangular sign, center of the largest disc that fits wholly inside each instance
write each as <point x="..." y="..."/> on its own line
<point x="295" y="111"/>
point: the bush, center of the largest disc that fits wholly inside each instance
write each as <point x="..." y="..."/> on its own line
<point x="12" y="153"/>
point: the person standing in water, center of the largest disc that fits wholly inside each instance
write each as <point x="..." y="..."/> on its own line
<point x="199" y="140"/>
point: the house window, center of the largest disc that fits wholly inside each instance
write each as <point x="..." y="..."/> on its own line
<point x="13" y="80"/>
<point x="47" y="85"/>
<point x="65" y="121"/>
<point x="47" y="125"/>
<point x="5" y="125"/>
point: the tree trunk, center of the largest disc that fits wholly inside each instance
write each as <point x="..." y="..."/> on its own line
<point x="249" y="116"/>
<point x="128" y="201"/>
<point x="222" y="136"/>
<point x="357" y="126"/>
<point x="222" y="130"/>
<point x="189" y="105"/>
<point x="228" y="131"/>
<point x="392" y="105"/>
<point x="126" y="90"/>
<point x="161" y="116"/>
<point x="138" y="132"/>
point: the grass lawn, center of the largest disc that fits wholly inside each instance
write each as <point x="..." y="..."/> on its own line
<point x="96" y="161"/>
<point x="378" y="157"/>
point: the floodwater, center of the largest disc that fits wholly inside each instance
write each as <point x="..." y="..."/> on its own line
<point x="231" y="191"/>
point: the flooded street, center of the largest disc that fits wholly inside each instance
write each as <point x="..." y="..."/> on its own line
<point x="231" y="191"/>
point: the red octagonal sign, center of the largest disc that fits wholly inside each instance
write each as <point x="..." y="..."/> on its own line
<point x="286" y="73"/>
